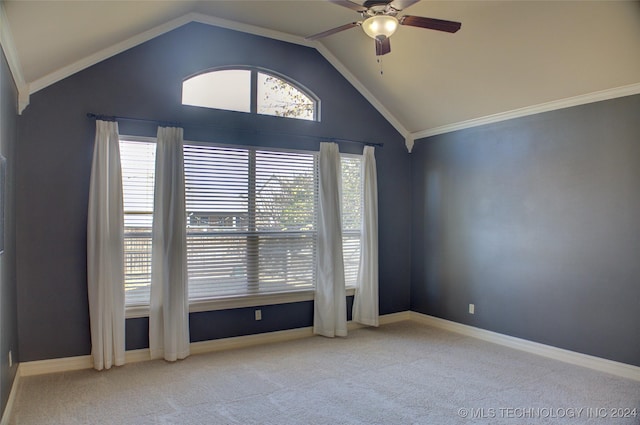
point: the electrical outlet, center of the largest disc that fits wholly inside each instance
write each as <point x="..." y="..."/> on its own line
<point x="472" y="309"/>
<point x="258" y="314"/>
<point x="10" y="359"/>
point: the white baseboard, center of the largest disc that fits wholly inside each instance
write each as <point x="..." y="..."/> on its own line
<point x="67" y="364"/>
<point x="615" y="368"/>
<point x="84" y="362"/>
<point x="6" y="416"/>
<point x="596" y="363"/>
<point x="395" y="317"/>
<point x="278" y="336"/>
<point x="249" y="340"/>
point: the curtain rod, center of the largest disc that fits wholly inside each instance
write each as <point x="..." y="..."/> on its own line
<point x="177" y="124"/>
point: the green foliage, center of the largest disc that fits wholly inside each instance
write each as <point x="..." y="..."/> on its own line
<point x="351" y="193"/>
<point x="287" y="203"/>
<point x="288" y="200"/>
<point x="284" y="100"/>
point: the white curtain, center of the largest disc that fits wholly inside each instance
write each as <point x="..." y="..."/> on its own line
<point x="330" y="315"/>
<point x="105" y="250"/>
<point x="169" y="313"/>
<point x="365" y="303"/>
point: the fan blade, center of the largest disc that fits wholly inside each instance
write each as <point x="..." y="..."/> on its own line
<point x="349" y="5"/>
<point x="430" y="23"/>
<point x="403" y="4"/>
<point x="332" y="31"/>
<point x="383" y="46"/>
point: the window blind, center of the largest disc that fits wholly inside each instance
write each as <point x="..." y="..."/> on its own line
<point x="251" y="221"/>
<point x="138" y="169"/>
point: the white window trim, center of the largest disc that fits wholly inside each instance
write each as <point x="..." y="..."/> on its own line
<point x="240" y="301"/>
<point x="253" y="107"/>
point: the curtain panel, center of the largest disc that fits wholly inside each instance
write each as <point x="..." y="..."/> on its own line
<point x="105" y="250"/>
<point x="365" y="303"/>
<point x="330" y="315"/>
<point x="169" y="311"/>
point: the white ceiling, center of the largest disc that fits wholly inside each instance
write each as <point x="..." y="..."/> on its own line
<point x="507" y="56"/>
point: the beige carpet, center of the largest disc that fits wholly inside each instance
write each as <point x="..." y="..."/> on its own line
<point x="404" y="373"/>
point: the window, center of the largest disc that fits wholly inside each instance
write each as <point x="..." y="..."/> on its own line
<point x="282" y="99"/>
<point x="228" y="89"/>
<point x="249" y="90"/>
<point x="251" y="219"/>
<point x="352" y="205"/>
<point x="138" y="169"/>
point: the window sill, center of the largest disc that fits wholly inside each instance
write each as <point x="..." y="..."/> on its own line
<point x="237" y="302"/>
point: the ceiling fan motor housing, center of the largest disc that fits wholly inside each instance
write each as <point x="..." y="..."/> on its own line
<point x="371" y="3"/>
<point x="378" y="7"/>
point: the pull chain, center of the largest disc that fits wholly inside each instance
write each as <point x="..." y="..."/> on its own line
<point x="380" y="63"/>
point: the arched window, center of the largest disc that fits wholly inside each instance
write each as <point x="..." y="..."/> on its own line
<point x="250" y="90"/>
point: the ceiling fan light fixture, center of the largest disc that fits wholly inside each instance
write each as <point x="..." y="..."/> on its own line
<point x="380" y="26"/>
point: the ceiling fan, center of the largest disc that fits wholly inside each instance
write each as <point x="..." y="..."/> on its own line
<point x="380" y="21"/>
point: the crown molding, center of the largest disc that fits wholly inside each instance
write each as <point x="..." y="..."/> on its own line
<point x="8" y="46"/>
<point x="248" y="29"/>
<point x="106" y="53"/>
<point x="409" y="142"/>
<point x="363" y="90"/>
<point x="152" y="33"/>
<point x="569" y="102"/>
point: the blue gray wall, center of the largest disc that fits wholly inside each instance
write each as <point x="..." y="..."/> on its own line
<point x="8" y="310"/>
<point x="536" y="221"/>
<point x="56" y="142"/>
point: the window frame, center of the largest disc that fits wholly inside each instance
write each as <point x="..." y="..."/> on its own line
<point x="254" y="70"/>
<point x="136" y="139"/>
<point x="243" y="300"/>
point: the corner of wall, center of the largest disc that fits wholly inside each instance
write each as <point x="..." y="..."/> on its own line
<point x="11" y="54"/>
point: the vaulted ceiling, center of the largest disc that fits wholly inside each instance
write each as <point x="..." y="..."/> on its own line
<point x="509" y="55"/>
